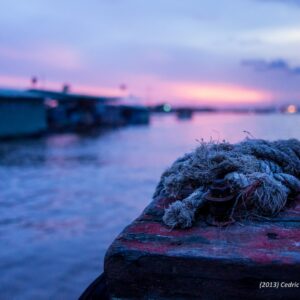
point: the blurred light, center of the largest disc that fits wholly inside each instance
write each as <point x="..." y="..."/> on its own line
<point x="291" y="109"/>
<point x="52" y="103"/>
<point x="167" y="107"/>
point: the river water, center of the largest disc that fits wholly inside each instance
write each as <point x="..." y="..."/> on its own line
<point x="64" y="198"/>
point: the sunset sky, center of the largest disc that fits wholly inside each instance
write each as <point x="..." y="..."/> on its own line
<point x="192" y="51"/>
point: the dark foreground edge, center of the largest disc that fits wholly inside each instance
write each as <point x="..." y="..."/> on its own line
<point x="97" y="290"/>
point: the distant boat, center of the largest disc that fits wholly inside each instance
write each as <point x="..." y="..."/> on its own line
<point x="184" y="114"/>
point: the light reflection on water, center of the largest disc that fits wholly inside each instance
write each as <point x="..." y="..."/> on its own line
<point x="65" y="198"/>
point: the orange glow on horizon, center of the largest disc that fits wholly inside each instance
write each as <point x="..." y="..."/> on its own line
<point x="220" y="93"/>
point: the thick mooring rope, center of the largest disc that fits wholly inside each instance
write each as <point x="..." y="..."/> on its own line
<point x="263" y="174"/>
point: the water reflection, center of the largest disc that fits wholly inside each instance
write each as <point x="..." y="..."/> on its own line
<point x="54" y="150"/>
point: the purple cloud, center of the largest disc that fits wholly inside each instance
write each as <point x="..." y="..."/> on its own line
<point x="261" y="65"/>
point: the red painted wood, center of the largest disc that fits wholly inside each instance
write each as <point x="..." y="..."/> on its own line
<point x="205" y="262"/>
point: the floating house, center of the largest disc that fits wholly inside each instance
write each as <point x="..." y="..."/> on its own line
<point x="21" y="114"/>
<point x="111" y="115"/>
<point x="72" y="112"/>
<point x="136" y="115"/>
<point x="118" y="115"/>
<point x="68" y="111"/>
<point x="36" y="111"/>
<point x="184" y="113"/>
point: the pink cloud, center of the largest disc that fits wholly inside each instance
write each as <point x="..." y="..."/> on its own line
<point x="152" y="90"/>
<point x="193" y="92"/>
<point x="220" y="93"/>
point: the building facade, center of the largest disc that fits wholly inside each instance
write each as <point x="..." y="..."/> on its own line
<point x="21" y="114"/>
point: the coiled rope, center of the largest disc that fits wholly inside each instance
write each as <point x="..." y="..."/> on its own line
<point x="264" y="175"/>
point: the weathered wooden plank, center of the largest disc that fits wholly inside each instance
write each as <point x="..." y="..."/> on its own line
<point x="148" y="260"/>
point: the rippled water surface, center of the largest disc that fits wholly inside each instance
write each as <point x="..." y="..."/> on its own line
<point x="64" y="198"/>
